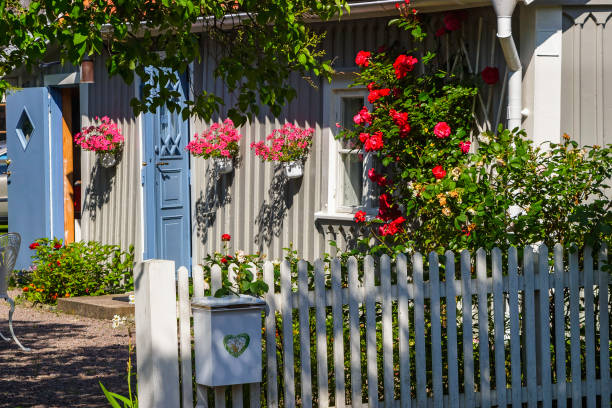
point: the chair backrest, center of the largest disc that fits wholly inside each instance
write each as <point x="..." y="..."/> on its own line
<point x="9" y="249"/>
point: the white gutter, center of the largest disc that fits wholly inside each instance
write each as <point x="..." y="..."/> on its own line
<point x="503" y="10"/>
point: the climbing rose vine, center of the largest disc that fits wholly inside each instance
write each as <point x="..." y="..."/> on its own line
<point x="441" y="184"/>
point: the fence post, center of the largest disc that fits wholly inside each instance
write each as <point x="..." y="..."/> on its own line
<point x="156" y="334"/>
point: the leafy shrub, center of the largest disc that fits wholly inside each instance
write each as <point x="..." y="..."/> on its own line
<point x="78" y="269"/>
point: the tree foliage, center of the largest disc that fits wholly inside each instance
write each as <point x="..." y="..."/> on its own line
<point x="257" y="43"/>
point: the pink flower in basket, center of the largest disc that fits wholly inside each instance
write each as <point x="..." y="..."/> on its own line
<point x="220" y="140"/>
<point x="103" y="136"/>
<point x="289" y="143"/>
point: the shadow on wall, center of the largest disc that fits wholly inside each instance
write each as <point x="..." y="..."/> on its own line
<point x="98" y="192"/>
<point x="216" y="196"/>
<point x="269" y="220"/>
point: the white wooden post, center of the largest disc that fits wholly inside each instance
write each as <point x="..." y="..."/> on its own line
<point x="156" y="334"/>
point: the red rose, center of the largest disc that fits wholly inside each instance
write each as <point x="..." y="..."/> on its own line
<point x="379" y="179"/>
<point x="376" y="94"/>
<point x="226" y="237"/>
<point x="58" y="263"/>
<point x="34" y="245"/>
<point x="371" y="86"/>
<point x="403" y="64"/>
<point x="391" y="228"/>
<point x="223" y="260"/>
<point x="442" y="130"/>
<point x="374" y="142"/>
<point x="360" y="216"/>
<point x="438" y="172"/>
<point x="386" y="210"/>
<point x="363" y="117"/>
<point x="363" y="58"/>
<point x="490" y="75"/>
<point x="440" y="32"/>
<point x="452" y="22"/>
<point x="363" y="137"/>
<point x="57" y="246"/>
<point x="401" y="120"/>
<point x="464" y="146"/>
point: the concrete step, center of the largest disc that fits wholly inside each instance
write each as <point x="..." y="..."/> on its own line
<point x="97" y="307"/>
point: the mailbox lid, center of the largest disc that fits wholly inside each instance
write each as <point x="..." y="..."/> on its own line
<point x="228" y="302"/>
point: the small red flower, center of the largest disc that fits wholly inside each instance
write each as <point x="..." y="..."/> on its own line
<point x="58" y="263"/>
<point x="490" y="75"/>
<point x="442" y="130"/>
<point x="374" y="142"/>
<point x="363" y="137"/>
<point x="376" y="94"/>
<point x="363" y="117"/>
<point x="34" y="245"/>
<point x="226" y="237"/>
<point x="360" y="216"/>
<point x="25" y="289"/>
<point x="223" y="260"/>
<point x="438" y="172"/>
<point x="363" y="58"/>
<point x="401" y="120"/>
<point x="57" y="246"/>
<point x="440" y="32"/>
<point x="404" y="64"/>
<point x="465" y="146"/>
<point x="452" y="22"/>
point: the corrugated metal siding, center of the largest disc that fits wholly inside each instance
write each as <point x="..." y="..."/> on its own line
<point x="586" y="96"/>
<point x="261" y="210"/>
<point x="111" y="197"/>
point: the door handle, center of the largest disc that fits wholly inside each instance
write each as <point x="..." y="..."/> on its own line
<point x="162" y="163"/>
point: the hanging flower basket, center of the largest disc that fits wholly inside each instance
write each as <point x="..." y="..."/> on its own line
<point x="294" y="169"/>
<point x="220" y="143"/>
<point x="104" y="138"/>
<point x="289" y="145"/>
<point x="107" y="160"/>
<point x="223" y="165"/>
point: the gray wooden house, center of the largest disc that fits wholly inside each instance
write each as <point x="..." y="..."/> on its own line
<point x="554" y="58"/>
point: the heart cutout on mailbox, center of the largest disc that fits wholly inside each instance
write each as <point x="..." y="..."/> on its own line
<point x="236" y="344"/>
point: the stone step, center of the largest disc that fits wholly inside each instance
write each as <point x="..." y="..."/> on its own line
<point x="97" y="307"/>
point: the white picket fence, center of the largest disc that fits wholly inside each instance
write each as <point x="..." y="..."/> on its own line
<point x="406" y="346"/>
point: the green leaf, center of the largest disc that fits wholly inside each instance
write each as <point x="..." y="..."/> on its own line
<point x="78" y="38"/>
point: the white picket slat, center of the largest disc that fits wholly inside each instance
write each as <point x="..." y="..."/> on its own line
<point x="544" y="326"/>
<point x="271" y="367"/>
<point x="451" y="331"/>
<point x="184" y="311"/>
<point x="530" y="330"/>
<point x="197" y="276"/>
<point x="575" y="329"/>
<point x="215" y="284"/>
<point x="304" y="316"/>
<point x="370" y="302"/>
<point x="287" y="313"/>
<point x="404" y="330"/>
<point x="436" y="331"/>
<point x="483" y="329"/>
<point x="604" y="321"/>
<point x="515" y="344"/>
<point x="321" y="329"/>
<point x="499" y="327"/>
<point x="336" y="284"/>
<point x="354" y="332"/>
<point x="237" y="396"/>
<point x="387" y="329"/>
<point x="419" y="329"/>
<point x="589" y="327"/>
<point x="561" y="379"/>
<point x="468" y="351"/>
<point x="255" y="395"/>
<point x="219" y="397"/>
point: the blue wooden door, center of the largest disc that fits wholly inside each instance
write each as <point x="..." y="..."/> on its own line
<point x="166" y="182"/>
<point x="35" y="186"/>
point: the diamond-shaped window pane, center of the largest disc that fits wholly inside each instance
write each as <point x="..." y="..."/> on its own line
<point x="25" y="129"/>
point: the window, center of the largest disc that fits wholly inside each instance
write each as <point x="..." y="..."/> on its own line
<point x="349" y="189"/>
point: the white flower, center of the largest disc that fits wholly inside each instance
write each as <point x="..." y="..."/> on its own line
<point x="482" y="138"/>
<point x="132" y="299"/>
<point x="456" y="172"/>
<point x="240" y="256"/>
<point x="471" y="211"/>
<point x="276" y="262"/>
<point x="118" y="321"/>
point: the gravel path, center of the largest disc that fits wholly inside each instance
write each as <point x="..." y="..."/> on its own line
<point x="70" y="354"/>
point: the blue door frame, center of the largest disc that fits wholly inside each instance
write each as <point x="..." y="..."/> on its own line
<point x="35" y="184"/>
<point x="166" y="184"/>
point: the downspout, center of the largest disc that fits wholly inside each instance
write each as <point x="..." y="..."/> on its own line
<point x="503" y="10"/>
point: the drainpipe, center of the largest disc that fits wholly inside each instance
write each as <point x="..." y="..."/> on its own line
<point x="503" y="10"/>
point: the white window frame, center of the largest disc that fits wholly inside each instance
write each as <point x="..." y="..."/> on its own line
<point x="332" y="113"/>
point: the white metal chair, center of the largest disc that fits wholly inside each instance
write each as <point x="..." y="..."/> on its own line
<point x="9" y="249"/>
